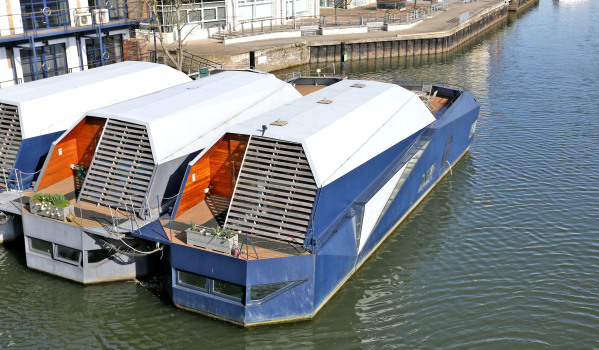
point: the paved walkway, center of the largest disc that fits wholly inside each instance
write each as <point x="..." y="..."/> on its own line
<point x="442" y="21"/>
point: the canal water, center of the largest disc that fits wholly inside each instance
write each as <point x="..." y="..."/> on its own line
<point x="504" y="253"/>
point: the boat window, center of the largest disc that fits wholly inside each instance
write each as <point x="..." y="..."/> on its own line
<point x="426" y="177"/>
<point x="97" y="255"/>
<point x="40" y="246"/>
<point x="67" y="254"/>
<point x="191" y="280"/>
<point x="263" y="291"/>
<point x="358" y="219"/>
<point x="228" y="290"/>
<point x="473" y="128"/>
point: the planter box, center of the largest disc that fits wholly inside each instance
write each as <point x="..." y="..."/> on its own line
<point x="50" y="211"/>
<point x="208" y="241"/>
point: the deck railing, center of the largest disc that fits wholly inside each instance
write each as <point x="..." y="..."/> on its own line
<point x="56" y="21"/>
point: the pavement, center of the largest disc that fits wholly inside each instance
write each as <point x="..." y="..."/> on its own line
<point x="442" y="21"/>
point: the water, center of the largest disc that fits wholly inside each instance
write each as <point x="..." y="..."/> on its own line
<point x="504" y="253"/>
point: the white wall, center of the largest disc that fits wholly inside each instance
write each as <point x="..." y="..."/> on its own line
<point x="6" y="77"/>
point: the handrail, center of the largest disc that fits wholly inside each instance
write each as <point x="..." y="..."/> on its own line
<point x="65" y="19"/>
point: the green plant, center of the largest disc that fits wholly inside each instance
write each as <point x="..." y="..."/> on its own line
<point x="71" y="217"/>
<point x="55" y="199"/>
<point x="222" y="232"/>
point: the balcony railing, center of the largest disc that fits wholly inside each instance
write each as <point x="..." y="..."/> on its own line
<point x="32" y="24"/>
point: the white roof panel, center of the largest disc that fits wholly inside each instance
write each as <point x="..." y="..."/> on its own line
<point x="359" y="124"/>
<point x="55" y="104"/>
<point x="192" y="116"/>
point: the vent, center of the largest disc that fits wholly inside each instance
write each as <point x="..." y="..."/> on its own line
<point x="122" y="167"/>
<point x="275" y="191"/>
<point x="10" y="135"/>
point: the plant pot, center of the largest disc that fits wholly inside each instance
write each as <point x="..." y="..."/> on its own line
<point x="208" y="241"/>
<point x="50" y="211"/>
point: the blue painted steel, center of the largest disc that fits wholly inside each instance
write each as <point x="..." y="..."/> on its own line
<point x="67" y="32"/>
<point x="324" y="271"/>
<point x="334" y="198"/>
<point x="181" y="189"/>
<point x="30" y="157"/>
<point x="152" y="232"/>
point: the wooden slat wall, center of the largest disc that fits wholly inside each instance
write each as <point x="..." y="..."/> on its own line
<point x="275" y="192"/>
<point x="10" y="135"/>
<point x="77" y="148"/>
<point x="214" y="171"/>
<point x="225" y="163"/>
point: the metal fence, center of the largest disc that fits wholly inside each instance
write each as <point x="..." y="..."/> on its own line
<point x="313" y="25"/>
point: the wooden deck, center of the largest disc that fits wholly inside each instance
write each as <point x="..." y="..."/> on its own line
<point x="308" y="89"/>
<point x="93" y="215"/>
<point x="210" y="213"/>
<point x="437" y="103"/>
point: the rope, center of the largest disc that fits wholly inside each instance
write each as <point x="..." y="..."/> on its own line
<point x="137" y="253"/>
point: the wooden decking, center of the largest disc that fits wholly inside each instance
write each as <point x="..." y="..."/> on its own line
<point x="437" y="103"/>
<point x="210" y="213"/>
<point x="308" y="89"/>
<point x="93" y="215"/>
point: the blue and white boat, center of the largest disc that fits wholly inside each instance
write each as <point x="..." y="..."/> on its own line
<point x="121" y="166"/>
<point x="35" y="114"/>
<point x="318" y="184"/>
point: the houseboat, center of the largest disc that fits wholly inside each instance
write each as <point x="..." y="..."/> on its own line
<point x="314" y="187"/>
<point x="119" y="167"/>
<point x="35" y="114"/>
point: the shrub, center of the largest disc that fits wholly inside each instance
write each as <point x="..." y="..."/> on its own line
<point x="55" y="199"/>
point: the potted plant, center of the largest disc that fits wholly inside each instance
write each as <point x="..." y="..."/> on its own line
<point x="51" y="205"/>
<point x="220" y="239"/>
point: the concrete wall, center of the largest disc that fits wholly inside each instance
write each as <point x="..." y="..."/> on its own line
<point x="409" y="44"/>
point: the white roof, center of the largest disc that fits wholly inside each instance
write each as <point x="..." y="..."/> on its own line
<point x="54" y="104"/>
<point x="359" y="124"/>
<point x="192" y="116"/>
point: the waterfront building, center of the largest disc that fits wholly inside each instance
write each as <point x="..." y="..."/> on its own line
<point x="45" y="38"/>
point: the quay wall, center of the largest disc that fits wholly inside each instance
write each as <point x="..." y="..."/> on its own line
<point x="517" y="5"/>
<point x="418" y="44"/>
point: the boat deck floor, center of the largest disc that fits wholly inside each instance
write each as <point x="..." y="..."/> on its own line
<point x="437" y="103"/>
<point x="212" y="213"/>
<point x="87" y="214"/>
<point x="308" y="89"/>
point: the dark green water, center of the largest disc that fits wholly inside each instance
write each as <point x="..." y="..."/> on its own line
<point x="504" y="253"/>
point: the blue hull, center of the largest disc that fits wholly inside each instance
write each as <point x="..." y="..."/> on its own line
<point x="283" y="289"/>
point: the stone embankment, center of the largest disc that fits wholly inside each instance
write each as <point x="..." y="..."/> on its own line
<point x="444" y="31"/>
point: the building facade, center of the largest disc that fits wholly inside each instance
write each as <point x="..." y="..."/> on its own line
<point x="44" y="38"/>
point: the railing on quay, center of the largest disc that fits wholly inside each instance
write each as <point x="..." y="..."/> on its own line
<point x="308" y="24"/>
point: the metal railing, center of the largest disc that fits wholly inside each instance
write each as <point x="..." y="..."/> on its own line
<point x="273" y="25"/>
<point x="61" y="20"/>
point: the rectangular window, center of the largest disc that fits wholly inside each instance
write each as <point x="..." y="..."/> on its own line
<point x="48" y="61"/>
<point x="427" y="176"/>
<point x="97" y="255"/>
<point x="44" y="14"/>
<point x="40" y="246"/>
<point x="191" y="280"/>
<point x="67" y="254"/>
<point x="228" y="290"/>
<point x="105" y="51"/>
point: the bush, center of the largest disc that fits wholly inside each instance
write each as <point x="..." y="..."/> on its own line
<point x="55" y="199"/>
